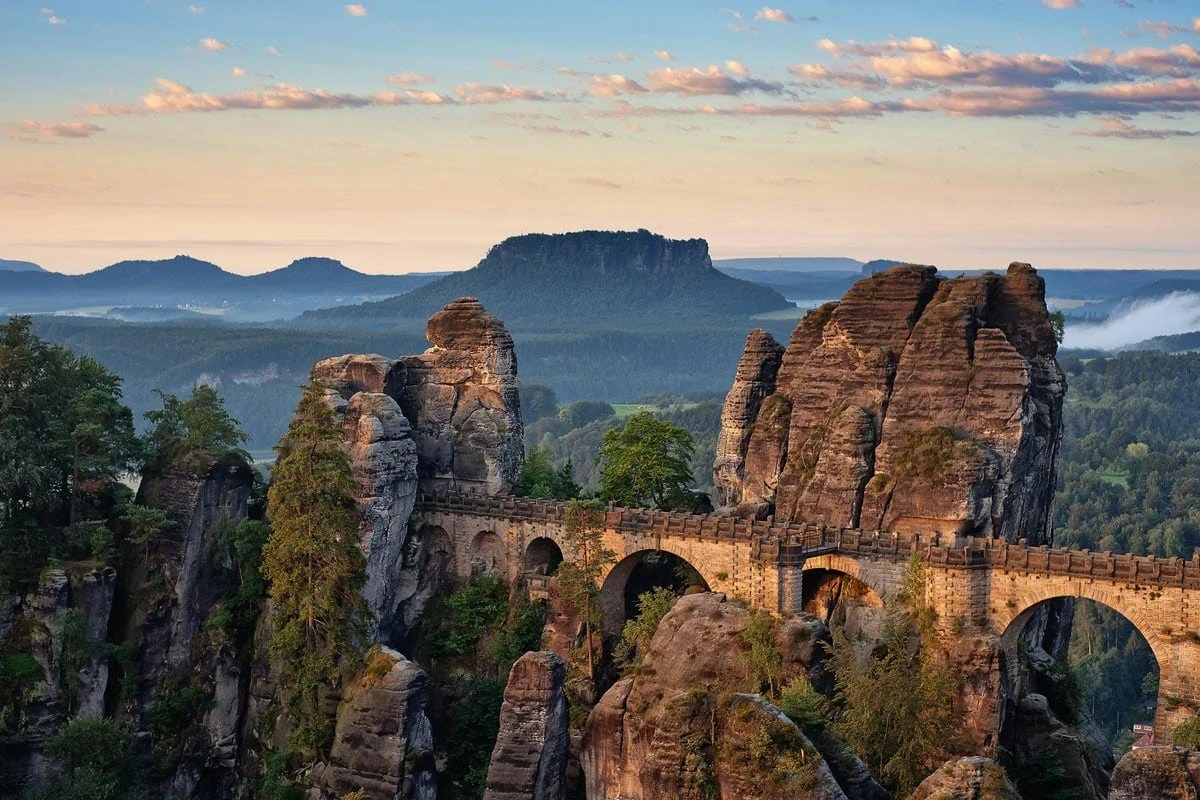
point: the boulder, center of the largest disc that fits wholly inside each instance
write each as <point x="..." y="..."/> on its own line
<point x="529" y="761"/>
<point x="1157" y="773"/>
<point x="973" y="778"/>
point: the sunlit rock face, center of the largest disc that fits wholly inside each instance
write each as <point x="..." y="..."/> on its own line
<point x="914" y="403"/>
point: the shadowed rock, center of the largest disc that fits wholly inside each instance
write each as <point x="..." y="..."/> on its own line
<point x="529" y="761"/>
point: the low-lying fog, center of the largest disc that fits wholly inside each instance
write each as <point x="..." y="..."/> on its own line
<point x="1175" y="313"/>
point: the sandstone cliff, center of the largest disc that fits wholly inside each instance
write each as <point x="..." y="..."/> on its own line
<point x="681" y="725"/>
<point x="529" y="761"/>
<point x="449" y="418"/>
<point x="1157" y="773"/>
<point x="972" y="778"/>
<point x="914" y="403"/>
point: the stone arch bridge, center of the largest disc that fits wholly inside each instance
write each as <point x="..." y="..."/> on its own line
<point x="976" y="586"/>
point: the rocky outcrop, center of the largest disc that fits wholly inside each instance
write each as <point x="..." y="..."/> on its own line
<point x="529" y="761"/>
<point x="972" y="778"/>
<point x="449" y="418"/>
<point x="461" y="397"/>
<point x="679" y="727"/>
<point x="1157" y="773"/>
<point x="754" y="382"/>
<point x="383" y="742"/>
<point x="914" y="403"/>
<point x="1082" y="750"/>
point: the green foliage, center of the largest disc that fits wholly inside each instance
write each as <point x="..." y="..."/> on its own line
<point x="635" y="638"/>
<point x="473" y="722"/>
<point x="648" y="461"/>
<point x="96" y="760"/>
<point x="896" y="711"/>
<point x="807" y="707"/>
<point x="537" y="402"/>
<point x="314" y="566"/>
<point x="540" y="479"/>
<point x="925" y="454"/>
<point x="276" y="783"/>
<point x="193" y="433"/>
<point x="65" y="439"/>
<point x="1188" y="734"/>
<point x="19" y="675"/>
<point x="456" y="623"/>
<point x="760" y="652"/>
<point x="1058" y="322"/>
<point x="1042" y="775"/>
<point x="238" y="554"/>
<point x="145" y="526"/>
<point x="583" y="532"/>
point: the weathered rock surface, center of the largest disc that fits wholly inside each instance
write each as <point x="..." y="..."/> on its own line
<point x="754" y="382"/>
<point x="1082" y="751"/>
<point x="677" y="728"/>
<point x="974" y="778"/>
<point x="383" y="742"/>
<point x="1157" y="773"/>
<point x="529" y="761"/>
<point x="915" y="403"/>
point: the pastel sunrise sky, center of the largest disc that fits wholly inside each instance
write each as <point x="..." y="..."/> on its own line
<point x="401" y="136"/>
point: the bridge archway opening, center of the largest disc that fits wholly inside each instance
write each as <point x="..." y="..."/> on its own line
<point x="641" y="572"/>
<point x="845" y="603"/>
<point x="487" y="554"/>
<point x="1087" y="659"/>
<point x="542" y="556"/>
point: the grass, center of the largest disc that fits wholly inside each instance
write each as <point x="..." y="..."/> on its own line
<point x="1115" y="478"/>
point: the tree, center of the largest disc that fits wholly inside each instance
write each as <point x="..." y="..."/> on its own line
<point x="578" y="578"/>
<point x="635" y="637"/>
<point x="537" y="401"/>
<point x="540" y="479"/>
<point x="314" y="565"/>
<point x="193" y="433"/>
<point x="646" y="462"/>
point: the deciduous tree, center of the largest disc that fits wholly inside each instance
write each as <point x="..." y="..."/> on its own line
<point x="646" y="462"/>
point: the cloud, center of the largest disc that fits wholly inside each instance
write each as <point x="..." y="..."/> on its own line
<point x="1117" y="128"/>
<point x="172" y="97"/>
<point x="356" y="10"/>
<point x="1163" y="30"/>
<point x="732" y="13"/>
<point x="737" y="68"/>
<point x="767" y="14"/>
<point x="1062" y="3"/>
<point x="61" y="130"/>
<point x="555" y="130"/>
<point x="51" y="18"/>
<point x="712" y="81"/>
<point x="664" y="55"/>
<point x="238" y="72"/>
<point x="615" y="58"/>
<point x="635" y="128"/>
<point x="410" y="79"/>
<point x="272" y="50"/>
<point x="472" y="93"/>
<point x="211" y="45"/>
<point x="599" y="183"/>
<point x="196" y="9"/>
<point x="612" y="85"/>
<point x="1176" y="313"/>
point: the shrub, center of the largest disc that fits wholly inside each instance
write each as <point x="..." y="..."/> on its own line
<point x="635" y="638"/>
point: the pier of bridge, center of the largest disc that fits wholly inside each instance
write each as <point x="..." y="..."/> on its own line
<point x="976" y="586"/>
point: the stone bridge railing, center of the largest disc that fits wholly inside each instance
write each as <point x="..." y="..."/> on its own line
<point x="790" y="543"/>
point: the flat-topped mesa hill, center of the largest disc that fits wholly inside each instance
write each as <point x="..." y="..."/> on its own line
<point x="915" y="403"/>
<point x="589" y="276"/>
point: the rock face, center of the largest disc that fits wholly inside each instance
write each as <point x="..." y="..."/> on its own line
<point x="754" y="382"/>
<point x="914" y="403"/>
<point x="678" y="727"/>
<point x="1157" y="773"/>
<point x="529" y="761"/>
<point x="449" y="418"/>
<point x="973" y="778"/>
<point x="383" y="742"/>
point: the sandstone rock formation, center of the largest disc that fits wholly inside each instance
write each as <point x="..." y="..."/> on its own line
<point x="383" y="742"/>
<point x="1157" y="773"/>
<point x="679" y="728"/>
<point x="974" y="778"/>
<point x="529" y="761"/>
<point x="914" y="403"/>
<point x="449" y="418"/>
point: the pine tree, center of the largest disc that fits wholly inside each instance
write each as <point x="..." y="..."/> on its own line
<point x="578" y="578"/>
<point x="314" y="566"/>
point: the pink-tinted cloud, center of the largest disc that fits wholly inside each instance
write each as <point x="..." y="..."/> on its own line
<point x="472" y="93"/>
<point x="1062" y="3"/>
<point x="1117" y="128"/>
<point x="767" y="14"/>
<point x="612" y="85"/>
<point x="211" y="45"/>
<point x="692" y="81"/>
<point x="410" y="79"/>
<point x="59" y="130"/>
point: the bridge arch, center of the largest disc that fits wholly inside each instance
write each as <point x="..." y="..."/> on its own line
<point x="488" y="554"/>
<point x="542" y="556"/>
<point x="639" y="571"/>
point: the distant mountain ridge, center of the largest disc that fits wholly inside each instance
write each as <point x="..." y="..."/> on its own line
<point x="7" y="265"/>
<point x="184" y="281"/>
<point x="609" y="278"/>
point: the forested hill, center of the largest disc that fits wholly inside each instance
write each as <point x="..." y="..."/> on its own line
<point x="590" y="278"/>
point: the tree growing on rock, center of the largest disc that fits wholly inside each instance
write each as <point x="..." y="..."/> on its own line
<point x="195" y="432"/>
<point x="647" y="463"/>
<point x="315" y="568"/>
<point x="578" y="579"/>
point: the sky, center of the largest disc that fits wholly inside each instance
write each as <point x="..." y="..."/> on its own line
<point x="404" y="136"/>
